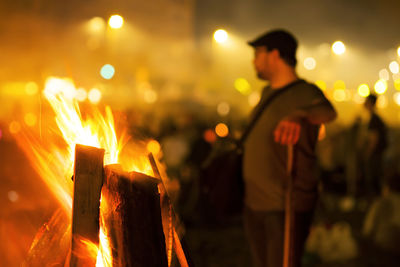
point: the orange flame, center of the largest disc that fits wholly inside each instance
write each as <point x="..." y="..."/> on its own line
<point x="97" y="131"/>
<point x="54" y="161"/>
<point x="104" y="255"/>
<point x="101" y="253"/>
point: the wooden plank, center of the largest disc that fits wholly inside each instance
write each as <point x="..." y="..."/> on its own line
<point x="131" y="217"/>
<point x="88" y="181"/>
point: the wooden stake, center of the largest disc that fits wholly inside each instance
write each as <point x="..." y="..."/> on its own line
<point x="88" y="180"/>
<point x="170" y="214"/>
<point x="288" y="235"/>
<point x="131" y="217"/>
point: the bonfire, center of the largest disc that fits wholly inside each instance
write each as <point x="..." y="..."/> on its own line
<point x="114" y="210"/>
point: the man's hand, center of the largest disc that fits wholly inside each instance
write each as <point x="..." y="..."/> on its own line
<point x="287" y="132"/>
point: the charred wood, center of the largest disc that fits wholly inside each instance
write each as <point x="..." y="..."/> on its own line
<point x="131" y="219"/>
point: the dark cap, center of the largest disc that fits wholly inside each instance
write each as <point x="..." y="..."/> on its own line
<point x="371" y="98"/>
<point x="281" y="40"/>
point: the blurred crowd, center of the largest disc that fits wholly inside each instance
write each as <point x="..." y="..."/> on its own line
<point x="351" y="224"/>
<point x="356" y="219"/>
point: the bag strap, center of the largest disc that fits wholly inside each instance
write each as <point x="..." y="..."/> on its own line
<point x="262" y="107"/>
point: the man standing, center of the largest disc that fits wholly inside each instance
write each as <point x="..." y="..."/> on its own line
<point x="375" y="145"/>
<point x="292" y="118"/>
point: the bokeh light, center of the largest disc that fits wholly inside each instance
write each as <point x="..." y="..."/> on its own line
<point x="30" y="119"/>
<point x="384" y="74"/>
<point x="94" y="95"/>
<point x="210" y="136"/>
<point x="339" y="84"/>
<point x="220" y="36"/>
<point x="398" y="51"/>
<point x="153" y="147"/>
<point x="321" y="84"/>
<point x="81" y="94"/>
<point x="253" y="99"/>
<point x="339" y="95"/>
<point x="310" y="63"/>
<point x="31" y="88"/>
<point x="223" y="109"/>
<point x="243" y="86"/>
<point x="222" y="130"/>
<point x="396" y="98"/>
<point x="13" y="196"/>
<point x="397" y="84"/>
<point x="363" y="90"/>
<point x="115" y="21"/>
<point x="14" y="127"/>
<point x="97" y="24"/>
<point x="380" y="87"/>
<point x="338" y="47"/>
<point x="149" y="95"/>
<point x="394" y="67"/>
<point x="107" y="71"/>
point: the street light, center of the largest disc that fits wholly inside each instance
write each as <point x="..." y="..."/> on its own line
<point x="220" y="36"/>
<point x="115" y="21"/>
<point x="338" y="47"/>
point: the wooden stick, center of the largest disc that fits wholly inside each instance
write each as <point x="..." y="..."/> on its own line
<point x="288" y="238"/>
<point x="88" y="180"/>
<point x="166" y="211"/>
<point x="166" y="205"/>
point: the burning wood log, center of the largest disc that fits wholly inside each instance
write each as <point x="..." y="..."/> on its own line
<point x="51" y="244"/>
<point x="131" y="219"/>
<point x="131" y="216"/>
<point x="88" y="180"/>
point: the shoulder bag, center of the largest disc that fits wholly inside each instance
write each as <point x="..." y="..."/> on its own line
<point x="221" y="181"/>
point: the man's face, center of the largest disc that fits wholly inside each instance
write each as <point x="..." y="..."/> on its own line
<point x="263" y="62"/>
